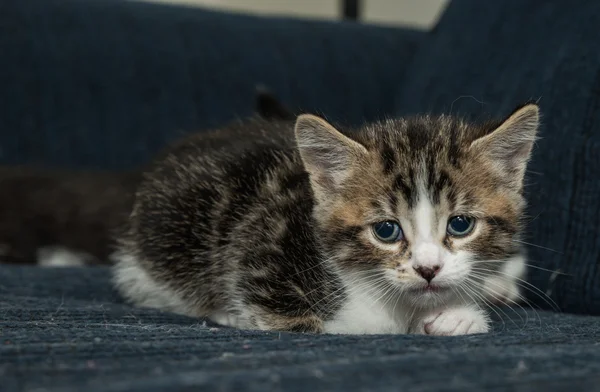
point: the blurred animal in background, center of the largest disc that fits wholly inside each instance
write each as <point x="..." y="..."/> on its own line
<point x="60" y="218"/>
<point x="55" y="217"/>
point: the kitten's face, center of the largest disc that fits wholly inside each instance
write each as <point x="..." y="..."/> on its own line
<point x="429" y="206"/>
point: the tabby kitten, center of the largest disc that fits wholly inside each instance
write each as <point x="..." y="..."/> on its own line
<point x="401" y="226"/>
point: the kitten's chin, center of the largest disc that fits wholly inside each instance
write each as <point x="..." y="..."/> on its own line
<point x="430" y="295"/>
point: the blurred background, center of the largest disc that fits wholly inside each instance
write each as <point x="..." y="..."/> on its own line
<point x="422" y="14"/>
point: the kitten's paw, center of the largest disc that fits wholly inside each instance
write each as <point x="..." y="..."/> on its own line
<point x="226" y="319"/>
<point x="456" y="321"/>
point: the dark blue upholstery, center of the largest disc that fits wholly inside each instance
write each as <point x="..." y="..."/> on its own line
<point x="484" y="58"/>
<point x="63" y="330"/>
<point x="106" y="83"/>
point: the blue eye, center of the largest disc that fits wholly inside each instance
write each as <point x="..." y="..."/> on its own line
<point x="460" y="226"/>
<point x="387" y="231"/>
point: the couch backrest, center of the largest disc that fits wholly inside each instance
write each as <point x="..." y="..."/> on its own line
<point x="107" y="83"/>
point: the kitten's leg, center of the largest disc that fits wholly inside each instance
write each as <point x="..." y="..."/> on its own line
<point x="305" y="324"/>
<point x="227" y="319"/>
<point x="268" y="321"/>
<point x="273" y="299"/>
<point x="503" y="288"/>
<point x="456" y="320"/>
<point x="269" y="314"/>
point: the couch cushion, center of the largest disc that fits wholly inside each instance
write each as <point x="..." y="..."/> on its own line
<point x="65" y="330"/>
<point x="486" y="57"/>
<point x="107" y="83"/>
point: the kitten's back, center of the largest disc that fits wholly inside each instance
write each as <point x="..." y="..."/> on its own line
<point x="205" y="207"/>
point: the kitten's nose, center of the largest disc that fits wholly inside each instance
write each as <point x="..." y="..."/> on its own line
<point x="428" y="273"/>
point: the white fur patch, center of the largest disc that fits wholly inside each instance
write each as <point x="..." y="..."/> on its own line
<point x="364" y="312"/>
<point x="423" y="225"/>
<point x="59" y="256"/>
<point x="136" y="285"/>
<point x="226" y="319"/>
<point x="504" y="286"/>
<point x="427" y="248"/>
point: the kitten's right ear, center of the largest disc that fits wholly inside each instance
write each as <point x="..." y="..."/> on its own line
<point x="328" y="155"/>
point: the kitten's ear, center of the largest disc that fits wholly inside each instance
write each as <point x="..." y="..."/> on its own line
<point x="329" y="156"/>
<point x="509" y="146"/>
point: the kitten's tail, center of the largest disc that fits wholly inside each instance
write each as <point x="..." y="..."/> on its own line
<point x="269" y="107"/>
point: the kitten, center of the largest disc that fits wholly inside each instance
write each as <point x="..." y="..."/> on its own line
<point x="401" y="226"/>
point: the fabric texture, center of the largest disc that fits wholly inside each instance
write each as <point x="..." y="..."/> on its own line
<point x="107" y="83"/>
<point x="498" y="54"/>
<point x="65" y="330"/>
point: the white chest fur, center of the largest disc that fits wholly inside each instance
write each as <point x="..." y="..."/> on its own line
<point x="363" y="313"/>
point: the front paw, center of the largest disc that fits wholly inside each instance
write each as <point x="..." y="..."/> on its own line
<point x="456" y="321"/>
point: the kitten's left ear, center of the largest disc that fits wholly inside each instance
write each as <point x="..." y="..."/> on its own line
<point x="328" y="155"/>
<point x="509" y="146"/>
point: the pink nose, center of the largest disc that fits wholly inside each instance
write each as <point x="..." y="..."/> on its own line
<point x="428" y="273"/>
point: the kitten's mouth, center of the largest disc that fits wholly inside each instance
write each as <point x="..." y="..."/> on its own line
<point x="429" y="288"/>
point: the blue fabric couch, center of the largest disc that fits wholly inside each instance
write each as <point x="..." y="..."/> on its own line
<point x="107" y="83"/>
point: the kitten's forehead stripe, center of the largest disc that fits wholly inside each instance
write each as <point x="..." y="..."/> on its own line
<point x="393" y="200"/>
<point x="401" y="185"/>
<point x="418" y="136"/>
<point x="441" y="182"/>
<point x="388" y="157"/>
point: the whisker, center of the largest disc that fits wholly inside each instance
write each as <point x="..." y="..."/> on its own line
<point x="538" y="246"/>
<point x="524" y="284"/>
<point x="357" y="283"/>
<point x="369" y="287"/>
<point x="558" y="272"/>
<point x="531" y="306"/>
<point x="526" y="264"/>
<point x="491" y="305"/>
<point x="390" y="290"/>
<point x="398" y="297"/>
<point x="498" y="296"/>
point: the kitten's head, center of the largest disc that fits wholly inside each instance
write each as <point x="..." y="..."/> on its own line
<point x="427" y="205"/>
